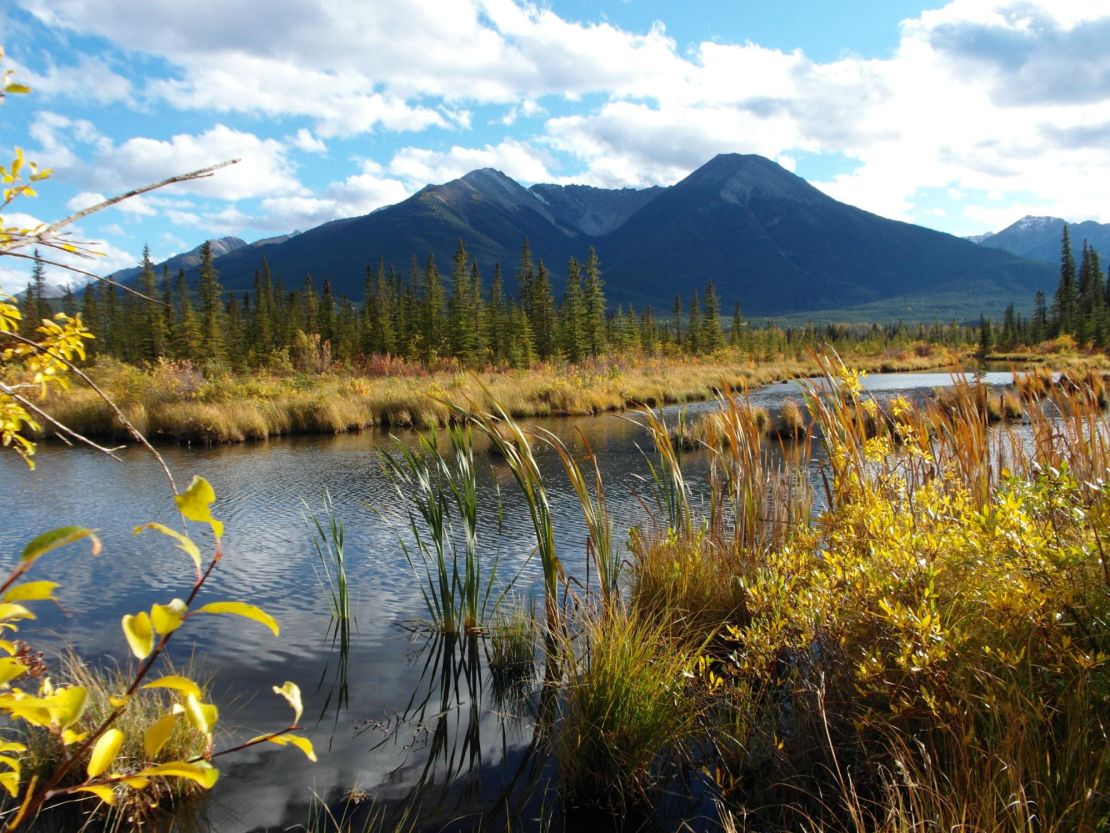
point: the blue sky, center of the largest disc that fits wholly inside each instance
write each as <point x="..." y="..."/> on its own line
<point x="962" y="116"/>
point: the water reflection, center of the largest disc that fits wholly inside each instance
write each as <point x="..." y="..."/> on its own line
<point x="424" y="726"/>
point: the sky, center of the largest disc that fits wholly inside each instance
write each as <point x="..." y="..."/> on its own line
<point x="961" y="116"/>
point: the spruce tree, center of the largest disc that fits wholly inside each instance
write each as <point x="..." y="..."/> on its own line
<point x="188" y="344"/>
<point x="736" y="331"/>
<point x="594" y="305"/>
<point x="1066" y="299"/>
<point x="211" y="305"/>
<point x="693" y="326"/>
<point x="432" y="315"/>
<point x="572" y="317"/>
<point x="711" y="337"/>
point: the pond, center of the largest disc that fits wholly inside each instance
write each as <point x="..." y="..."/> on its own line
<point x="416" y="716"/>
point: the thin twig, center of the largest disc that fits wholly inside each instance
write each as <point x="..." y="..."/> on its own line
<point x="47" y="231"/>
<point x="61" y="426"/>
<point x="93" y="275"/>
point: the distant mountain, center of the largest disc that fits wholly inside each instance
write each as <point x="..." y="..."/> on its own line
<point x="777" y="245"/>
<point x="1038" y="238"/>
<point x="766" y="237"/>
<point x="187" y="260"/>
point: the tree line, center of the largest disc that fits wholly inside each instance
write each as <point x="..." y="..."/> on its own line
<point x="1080" y="306"/>
<point x="424" y="316"/>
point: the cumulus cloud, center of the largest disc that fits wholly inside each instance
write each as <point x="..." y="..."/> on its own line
<point x="1001" y="99"/>
<point x="516" y="159"/>
<point x="107" y="258"/>
<point x="89" y="80"/>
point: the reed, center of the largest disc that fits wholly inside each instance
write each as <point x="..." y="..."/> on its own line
<point x="442" y="491"/>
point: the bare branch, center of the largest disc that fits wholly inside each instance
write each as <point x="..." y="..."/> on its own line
<point x="64" y="431"/>
<point x="47" y="231"/>
<point x="124" y="287"/>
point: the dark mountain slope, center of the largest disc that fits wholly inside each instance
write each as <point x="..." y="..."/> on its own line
<point x="778" y="245"/>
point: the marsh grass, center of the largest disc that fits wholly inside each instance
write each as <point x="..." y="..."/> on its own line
<point x="511" y="655"/>
<point x="178" y="402"/>
<point x="627" y="710"/>
<point x="460" y="592"/>
<point x="329" y="547"/>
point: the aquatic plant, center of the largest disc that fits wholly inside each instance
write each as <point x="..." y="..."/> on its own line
<point x="442" y="492"/>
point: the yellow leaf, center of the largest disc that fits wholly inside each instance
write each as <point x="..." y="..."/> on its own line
<point x="303" y="744"/>
<point x="31" y="591"/>
<point x="58" y="538"/>
<point x="182" y="684"/>
<point x="140" y="635"/>
<point x="104" y="751"/>
<point x="66" y="705"/>
<point x="157" y="735"/>
<point x="202" y="773"/>
<point x="7" y="647"/>
<point x="117" y="700"/>
<point x="184" y="543"/>
<point x="105" y="794"/>
<point x="10" y="668"/>
<point x="137" y="783"/>
<point x="168" y="618"/>
<point x="14" y="612"/>
<point x="195" y="504"/>
<point x="242" y="609"/>
<point x="292" y="694"/>
<point x="12" y="746"/>
<point x="70" y="737"/>
<point x="202" y="716"/>
<point x="10" y="782"/>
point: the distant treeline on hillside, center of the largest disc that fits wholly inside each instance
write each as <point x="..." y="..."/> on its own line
<point x="419" y="318"/>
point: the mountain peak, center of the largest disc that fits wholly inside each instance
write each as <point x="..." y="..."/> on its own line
<point x="739" y="176"/>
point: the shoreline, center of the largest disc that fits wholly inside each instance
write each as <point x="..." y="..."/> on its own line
<point x="175" y="404"/>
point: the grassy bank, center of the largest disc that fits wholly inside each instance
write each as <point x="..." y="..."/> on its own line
<point x="176" y="402"/>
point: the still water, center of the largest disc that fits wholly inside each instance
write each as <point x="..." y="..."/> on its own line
<point x="418" y="717"/>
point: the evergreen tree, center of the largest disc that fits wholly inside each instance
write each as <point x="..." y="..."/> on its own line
<point x="69" y="303"/>
<point x="90" y="313"/>
<point x="211" y="306"/>
<point x="736" y="331"/>
<point x="432" y="313"/>
<point x="986" y="336"/>
<point x="1039" y="324"/>
<point x="188" y="344"/>
<point x="593" y="305"/>
<point x="572" y="317"/>
<point x="543" y="319"/>
<point x="498" y="317"/>
<point x="326" y="313"/>
<point x="1065" y="302"/>
<point x="676" y="317"/>
<point x="711" y="337"/>
<point x="462" y="334"/>
<point x="152" y="335"/>
<point x="693" y="326"/>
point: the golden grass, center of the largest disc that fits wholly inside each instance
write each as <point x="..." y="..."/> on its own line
<point x="173" y="401"/>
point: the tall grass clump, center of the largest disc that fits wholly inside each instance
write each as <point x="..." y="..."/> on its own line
<point x="627" y="711"/>
<point x="513" y="445"/>
<point x="442" y="492"/>
<point x="328" y="544"/>
<point x="601" y="549"/>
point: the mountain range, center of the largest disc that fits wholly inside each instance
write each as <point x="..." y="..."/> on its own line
<point x="1038" y="238"/>
<point x="769" y="240"/>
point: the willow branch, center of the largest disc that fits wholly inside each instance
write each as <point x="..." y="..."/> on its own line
<point x="47" y="231"/>
<point x="75" y="270"/>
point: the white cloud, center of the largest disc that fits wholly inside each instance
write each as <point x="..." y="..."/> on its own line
<point x="89" y="80"/>
<point x="304" y="140"/>
<point x="518" y="160"/>
<point x="997" y="98"/>
<point x="84" y="200"/>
